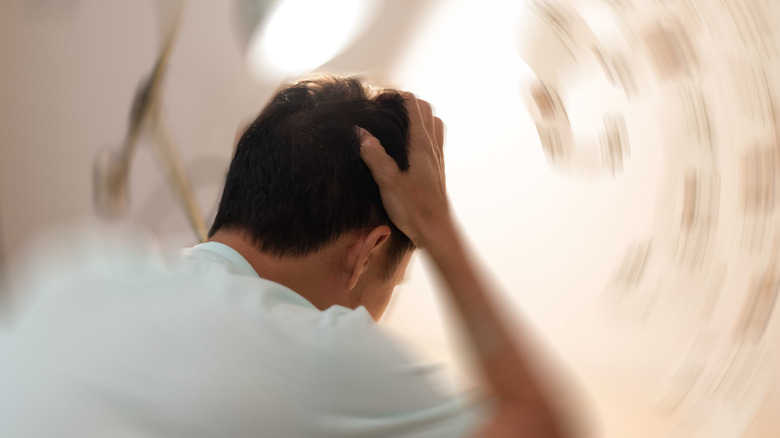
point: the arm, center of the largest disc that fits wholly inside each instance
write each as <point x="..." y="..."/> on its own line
<point x="416" y="201"/>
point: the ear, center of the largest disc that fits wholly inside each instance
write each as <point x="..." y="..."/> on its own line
<point x="358" y="255"/>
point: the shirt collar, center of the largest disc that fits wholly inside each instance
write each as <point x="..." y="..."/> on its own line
<point x="242" y="266"/>
<point x="230" y="255"/>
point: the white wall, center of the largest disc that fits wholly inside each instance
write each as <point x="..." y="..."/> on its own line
<point x="553" y="238"/>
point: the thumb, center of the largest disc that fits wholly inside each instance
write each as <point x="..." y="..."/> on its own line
<point x="382" y="166"/>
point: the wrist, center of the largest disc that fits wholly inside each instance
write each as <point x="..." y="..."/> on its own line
<point x="436" y="234"/>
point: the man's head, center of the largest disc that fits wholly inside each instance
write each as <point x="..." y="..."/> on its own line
<point x="297" y="183"/>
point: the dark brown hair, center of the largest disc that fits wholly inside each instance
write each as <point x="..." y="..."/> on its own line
<point x="297" y="182"/>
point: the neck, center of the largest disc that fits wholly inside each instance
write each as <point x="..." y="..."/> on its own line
<point x="315" y="276"/>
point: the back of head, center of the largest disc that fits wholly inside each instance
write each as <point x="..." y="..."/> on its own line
<point x="297" y="182"/>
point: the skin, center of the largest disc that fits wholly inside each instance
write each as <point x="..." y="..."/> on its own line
<point x="348" y="273"/>
<point x="417" y="203"/>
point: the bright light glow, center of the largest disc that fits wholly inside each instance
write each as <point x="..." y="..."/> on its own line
<point x="301" y="35"/>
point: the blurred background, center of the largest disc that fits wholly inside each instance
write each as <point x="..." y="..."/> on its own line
<point x="614" y="163"/>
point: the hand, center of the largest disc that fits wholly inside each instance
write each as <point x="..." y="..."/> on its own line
<point x="415" y="200"/>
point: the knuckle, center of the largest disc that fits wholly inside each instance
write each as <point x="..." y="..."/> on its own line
<point x="408" y="95"/>
<point x="372" y="142"/>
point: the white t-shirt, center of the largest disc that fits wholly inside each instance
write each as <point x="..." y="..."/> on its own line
<point x="203" y="347"/>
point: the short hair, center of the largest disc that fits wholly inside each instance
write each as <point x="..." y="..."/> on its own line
<point x="297" y="183"/>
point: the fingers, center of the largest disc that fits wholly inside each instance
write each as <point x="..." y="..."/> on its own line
<point x="374" y="155"/>
<point x="415" y="112"/>
<point x="426" y="110"/>
<point x="421" y="116"/>
<point x="415" y="115"/>
<point x="438" y="133"/>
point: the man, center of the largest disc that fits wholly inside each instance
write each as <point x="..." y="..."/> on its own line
<point x="269" y="328"/>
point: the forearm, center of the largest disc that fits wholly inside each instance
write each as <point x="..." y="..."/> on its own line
<point x="416" y="202"/>
<point x="503" y="357"/>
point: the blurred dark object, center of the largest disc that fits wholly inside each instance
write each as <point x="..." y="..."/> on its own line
<point x="112" y="167"/>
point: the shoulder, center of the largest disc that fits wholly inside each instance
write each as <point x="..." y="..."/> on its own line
<point x="368" y="380"/>
<point x="161" y="343"/>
